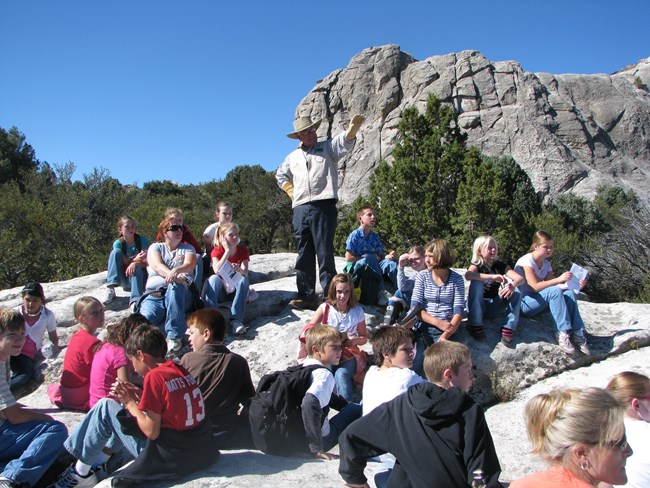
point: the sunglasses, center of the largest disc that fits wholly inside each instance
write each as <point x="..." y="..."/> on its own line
<point x="174" y="228"/>
<point x="622" y="445"/>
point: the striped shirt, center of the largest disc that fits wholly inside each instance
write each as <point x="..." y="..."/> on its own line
<point x="442" y="302"/>
<point x="6" y="397"/>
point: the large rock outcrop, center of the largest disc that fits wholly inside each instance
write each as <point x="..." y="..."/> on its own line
<point x="568" y="132"/>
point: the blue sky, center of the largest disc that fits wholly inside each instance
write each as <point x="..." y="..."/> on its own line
<point x="186" y="90"/>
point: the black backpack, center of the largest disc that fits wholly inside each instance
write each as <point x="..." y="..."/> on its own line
<point x="275" y="413"/>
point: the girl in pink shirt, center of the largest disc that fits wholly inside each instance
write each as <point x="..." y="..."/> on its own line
<point x="110" y="361"/>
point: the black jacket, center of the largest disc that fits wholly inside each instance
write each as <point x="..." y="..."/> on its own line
<point x="438" y="437"/>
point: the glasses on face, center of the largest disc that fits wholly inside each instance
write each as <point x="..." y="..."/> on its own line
<point x="622" y="445"/>
<point x="174" y="228"/>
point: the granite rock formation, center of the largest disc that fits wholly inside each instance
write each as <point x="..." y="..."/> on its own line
<point x="569" y="132"/>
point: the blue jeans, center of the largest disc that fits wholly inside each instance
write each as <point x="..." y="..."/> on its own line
<point x="169" y="310"/>
<point x="23" y="370"/>
<point x="479" y="308"/>
<point x="314" y="226"/>
<point x="385" y="268"/>
<point x="562" y="304"/>
<point x="424" y="337"/>
<point x="343" y="374"/>
<point x="27" y="450"/>
<point x="214" y="293"/>
<point x="197" y="274"/>
<point x="98" y="429"/>
<point x="117" y="275"/>
<point x="404" y="295"/>
<point x="338" y="423"/>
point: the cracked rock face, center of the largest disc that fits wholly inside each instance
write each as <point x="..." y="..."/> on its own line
<point x="569" y="132"/>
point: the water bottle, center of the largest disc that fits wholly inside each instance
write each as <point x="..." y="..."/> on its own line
<point x="478" y="481"/>
<point x="388" y="316"/>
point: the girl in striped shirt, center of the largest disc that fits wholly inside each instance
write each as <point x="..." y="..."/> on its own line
<point x="440" y="294"/>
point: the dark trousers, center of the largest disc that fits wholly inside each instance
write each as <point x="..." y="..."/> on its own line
<point x="23" y="371"/>
<point x="314" y="225"/>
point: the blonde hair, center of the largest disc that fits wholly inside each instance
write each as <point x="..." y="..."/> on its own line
<point x="442" y="253"/>
<point x="561" y="419"/>
<point x="481" y="243"/>
<point x="346" y="279"/>
<point x="219" y="206"/>
<point x="628" y="385"/>
<point x="174" y="211"/>
<point x="540" y="237"/>
<point x="319" y="335"/>
<point x="444" y="355"/>
<point x="222" y="231"/>
<point x="81" y="305"/>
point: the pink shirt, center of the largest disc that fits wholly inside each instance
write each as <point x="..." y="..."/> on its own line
<point x="103" y="372"/>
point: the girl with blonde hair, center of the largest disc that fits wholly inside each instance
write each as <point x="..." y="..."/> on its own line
<point x="543" y="290"/>
<point x="492" y="290"/>
<point x="581" y="434"/>
<point x="634" y="390"/>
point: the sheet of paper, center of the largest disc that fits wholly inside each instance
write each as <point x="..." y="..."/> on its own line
<point x="230" y="277"/>
<point x="579" y="273"/>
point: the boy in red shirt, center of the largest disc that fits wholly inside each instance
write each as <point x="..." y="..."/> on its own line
<point x="165" y="421"/>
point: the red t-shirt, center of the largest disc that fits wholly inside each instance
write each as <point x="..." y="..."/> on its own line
<point x="171" y="392"/>
<point x="241" y="254"/>
<point x="78" y="360"/>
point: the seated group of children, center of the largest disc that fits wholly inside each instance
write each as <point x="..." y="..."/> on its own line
<point x="173" y="418"/>
<point x="148" y="271"/>
<point x="180" y="415"/>
<point x="436" y="295"/>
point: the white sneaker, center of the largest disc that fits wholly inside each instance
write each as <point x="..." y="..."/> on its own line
<point x="564" y="341"/>
<point x="109" y="295"/>
<point x="239" y="328"/>
<point x="174" y="345"/>
<point x="382" y="299"/>
<point x="71" y="479"/>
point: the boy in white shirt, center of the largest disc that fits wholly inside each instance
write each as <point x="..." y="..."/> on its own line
<point x="394" y="350"/>
<point x="324" y="349"/>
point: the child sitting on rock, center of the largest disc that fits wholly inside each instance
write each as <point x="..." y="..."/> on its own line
<point x="168" y="434"/>
<point x="229" y="255"/>
<point x="72" y="393"/>
<point x="492" y="290"/>
<point x="439" y="293"/>
<point x="30" y="441"/>
<point x="38" y="319"/>
<point x="127" y="262"/>
<point x="363" y="249"/>
<point x="436" y="432"/>
<point x="110" y="361"/>
<point x="341" y="311"/>
<point x="223" y="377"/>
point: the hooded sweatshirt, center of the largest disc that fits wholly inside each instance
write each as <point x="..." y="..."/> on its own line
<point x="438" y="437"/>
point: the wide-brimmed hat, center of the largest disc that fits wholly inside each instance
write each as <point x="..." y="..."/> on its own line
<point x="300" y="124"/>
<point x="33" y="289"/>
